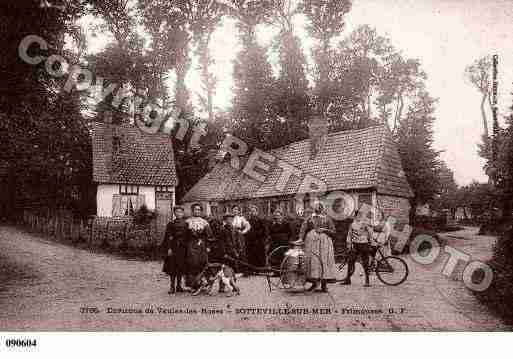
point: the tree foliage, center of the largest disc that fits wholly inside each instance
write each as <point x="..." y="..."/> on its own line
<point x="420" y="161"/>
<point x="479" y="75"/>
<point x="44" y="144"/>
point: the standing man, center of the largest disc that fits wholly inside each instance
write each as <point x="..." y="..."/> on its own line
<point x="256" y="238"/>
<point x="241" y="227"/>
<point x="359" y="237"/>
<point x="175" y="250"/>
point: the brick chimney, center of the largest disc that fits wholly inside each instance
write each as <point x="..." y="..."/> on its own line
<point x="318" y="133"/>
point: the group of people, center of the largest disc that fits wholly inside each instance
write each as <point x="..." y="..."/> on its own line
<point x="245" y="243"/>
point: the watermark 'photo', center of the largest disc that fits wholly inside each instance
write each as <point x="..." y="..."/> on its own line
<point x="262" y="166"/>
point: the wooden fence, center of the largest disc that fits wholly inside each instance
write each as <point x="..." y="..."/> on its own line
<point x="118" y="232"/>
<point x="57" y="225"/>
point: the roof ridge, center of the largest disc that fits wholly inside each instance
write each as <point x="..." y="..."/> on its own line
<point x="134" y="127"/>
<point x="330" y="134"/>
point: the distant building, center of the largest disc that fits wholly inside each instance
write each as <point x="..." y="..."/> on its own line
<point x="131" y="169"/>
<point x="363" y="163"/>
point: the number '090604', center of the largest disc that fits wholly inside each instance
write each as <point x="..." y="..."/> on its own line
<point x="20" y="343"/>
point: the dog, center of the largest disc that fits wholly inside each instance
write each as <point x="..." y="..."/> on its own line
<point x="220" y="273"/>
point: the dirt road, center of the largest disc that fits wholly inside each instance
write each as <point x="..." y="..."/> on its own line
<point x="44" y="285"/>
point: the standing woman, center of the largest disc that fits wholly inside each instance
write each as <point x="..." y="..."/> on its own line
<point x="241" y="227"/>
<point x="315" y="232"/>
<point x="256" y="238"/>
<point x="199" y="233"/>
<point x="280" y="233"/>
<point x="175" y="250"/>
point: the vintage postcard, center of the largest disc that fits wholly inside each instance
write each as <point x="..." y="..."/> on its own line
<point x="243" y="165"/>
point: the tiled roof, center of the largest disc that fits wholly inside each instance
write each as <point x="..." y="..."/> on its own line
<point x="142" y="159"/>
<point x="350" y="160"/>
<point x="4" y="168"/>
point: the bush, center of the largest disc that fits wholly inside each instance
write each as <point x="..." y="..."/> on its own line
<point x="494" y="227"/>
<point x="499" y="296"/>
<point x="143" y="216"/>
<point x="437" y="224"/>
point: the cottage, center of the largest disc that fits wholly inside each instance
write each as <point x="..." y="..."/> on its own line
<point x="363" y="163"/>
<point x="131" y="169"/>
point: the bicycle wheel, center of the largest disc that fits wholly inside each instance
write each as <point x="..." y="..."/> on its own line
<point x="392" y="271"/>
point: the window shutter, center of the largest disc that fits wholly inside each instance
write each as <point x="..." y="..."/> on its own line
<point x="116" y="205"/>
<point x="140" y="201"/>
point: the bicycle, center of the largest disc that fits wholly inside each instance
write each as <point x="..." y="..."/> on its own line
<point x="390" y="270"/>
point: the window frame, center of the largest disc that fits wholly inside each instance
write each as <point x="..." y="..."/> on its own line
<point x="128" y="190"/>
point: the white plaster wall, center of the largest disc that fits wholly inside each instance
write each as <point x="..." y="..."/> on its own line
<point x="104" y="193"/>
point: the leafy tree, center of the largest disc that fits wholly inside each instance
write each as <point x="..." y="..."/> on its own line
<point x="479" y="75"/>
<point x="447" y="196"/>
<point x="168" y="41"/>
<point x="253" y="115"/>
<point x="44" y="140"/>
<point x="481" y="198"/>
<point x="292" y="102"/>
<point x="204" y="16"/>
<point x="420" y="161"/>
<point x="499" y="166"/>
<point x="372" y="79"/>
<point x="325" y="21"/>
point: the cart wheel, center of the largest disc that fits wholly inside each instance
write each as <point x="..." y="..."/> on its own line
<point x="274" y="262"/>
<point x="296" y="270"/>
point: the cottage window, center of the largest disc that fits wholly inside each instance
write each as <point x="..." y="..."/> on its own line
<point x="128" y="189"/>
<point x="365" y="198"/>
<point x="127" y="201"/>
<point x="164" y="189"/>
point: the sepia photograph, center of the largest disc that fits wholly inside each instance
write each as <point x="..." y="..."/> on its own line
<point x="255" y="166"/>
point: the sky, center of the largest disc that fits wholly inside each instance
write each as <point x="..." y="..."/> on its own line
<point x="445" y="35"/>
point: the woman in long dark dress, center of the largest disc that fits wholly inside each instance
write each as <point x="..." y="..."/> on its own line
<point x="175" y="249"/>
<point x="281" y="234"/>
<point x="216" y="244"/>
<point x="256" y="238"/>
<point x="197" y="255"/>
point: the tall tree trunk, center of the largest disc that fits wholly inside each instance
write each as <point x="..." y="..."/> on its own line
<point x="483" y="115"/>
<point x="413" y="211"/>
<point x="398" y="111"/>
<point x="205" y="74"/>
<point x="182" y="66"/>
